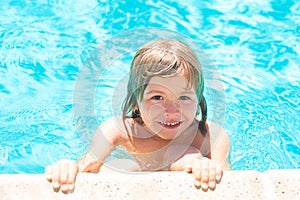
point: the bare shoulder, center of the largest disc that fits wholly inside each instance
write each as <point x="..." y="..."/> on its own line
<point x="114" y="129"/>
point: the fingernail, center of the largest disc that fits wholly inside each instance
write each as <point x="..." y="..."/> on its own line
<point x="56" y="185"/>
<point x="211" y="184"/>
<point x="197" y="183"/>
<point x="48" y="176"/>
<point x="204" y="186"/>
<point x="71" y="186"/>
<point x="64" y="187"/>
<point x="187" y="170"/>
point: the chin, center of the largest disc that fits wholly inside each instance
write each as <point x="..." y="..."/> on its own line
<point x="168" y="136"/>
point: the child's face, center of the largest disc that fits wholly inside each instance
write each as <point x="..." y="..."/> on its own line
<point x="168" y="106"/>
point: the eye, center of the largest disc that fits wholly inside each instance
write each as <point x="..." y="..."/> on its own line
<point x="184" y="98"/>
<point x="157" y="97"/>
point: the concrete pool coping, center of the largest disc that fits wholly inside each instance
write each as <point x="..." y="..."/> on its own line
<point x="272" y="184"/>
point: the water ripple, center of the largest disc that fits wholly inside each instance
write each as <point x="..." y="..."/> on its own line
<point x="254" y="46"/>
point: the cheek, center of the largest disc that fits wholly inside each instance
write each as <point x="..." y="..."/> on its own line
<point x="152" y="111"/>
<point x="189" y="109"/>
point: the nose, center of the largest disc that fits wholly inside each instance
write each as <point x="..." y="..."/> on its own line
<point x="172" y="107"/>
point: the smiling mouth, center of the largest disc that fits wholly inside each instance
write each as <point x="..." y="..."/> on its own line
<point x="170" y="125"/>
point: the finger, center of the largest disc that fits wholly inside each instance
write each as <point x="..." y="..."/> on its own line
<point x="64" y="176"/>
<point x="96" y="166"/>
<point x="204" y="174"/>
<point x="64" y="170"/>
<point x="73" y="170"/>
<point x="188" y="168"/>
<point x="219" y="172"/>
<point x="55" y="177"/>
<point x="196" y="169"/>
<point x="48" y="172"/>
<point x="212" y="176"/>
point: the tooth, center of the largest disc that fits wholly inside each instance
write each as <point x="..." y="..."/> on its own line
<point x="169" y="124"/>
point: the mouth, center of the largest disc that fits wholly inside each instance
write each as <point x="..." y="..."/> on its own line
<point x="170" y="125"/>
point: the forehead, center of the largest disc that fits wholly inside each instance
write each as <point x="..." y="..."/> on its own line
<point x="177" y="83"/>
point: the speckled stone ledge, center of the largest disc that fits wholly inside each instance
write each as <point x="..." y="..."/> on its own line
<point x="275" y="184"/>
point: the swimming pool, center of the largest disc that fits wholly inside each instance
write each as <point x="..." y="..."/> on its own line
<point x="255" y="47"/>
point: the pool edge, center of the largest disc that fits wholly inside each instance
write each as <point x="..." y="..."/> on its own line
<point x="272" y="184"/>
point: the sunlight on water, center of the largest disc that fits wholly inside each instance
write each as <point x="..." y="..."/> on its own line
<point x="254" y="46"/>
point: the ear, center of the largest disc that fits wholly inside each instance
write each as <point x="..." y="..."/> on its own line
<point x="136" y="115"/>
<point x="135" y="112"/>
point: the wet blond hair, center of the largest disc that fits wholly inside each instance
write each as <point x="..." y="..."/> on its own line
<point x="164" y="58"/>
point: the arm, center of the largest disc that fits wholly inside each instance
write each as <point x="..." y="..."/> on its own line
<point x="207" y="171"/>
<point x="102" y="145"/>
<point x="220" y="146"/>
<point x="63" y="173"/>
<point x="186" y="160"/>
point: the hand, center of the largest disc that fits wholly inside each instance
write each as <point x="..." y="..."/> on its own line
<point x="62" y="175"/>
<point x="206" y="173"/>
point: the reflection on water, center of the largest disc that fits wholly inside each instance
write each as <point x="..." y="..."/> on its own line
<point x="254" y="46"/>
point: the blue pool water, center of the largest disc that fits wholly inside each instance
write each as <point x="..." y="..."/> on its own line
<point x="254" y="46"/>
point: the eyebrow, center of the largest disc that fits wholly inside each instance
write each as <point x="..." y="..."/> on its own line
<point x="154" y="91"/>
<point x="189" y="92"/>
<point x="161" y="92"/>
